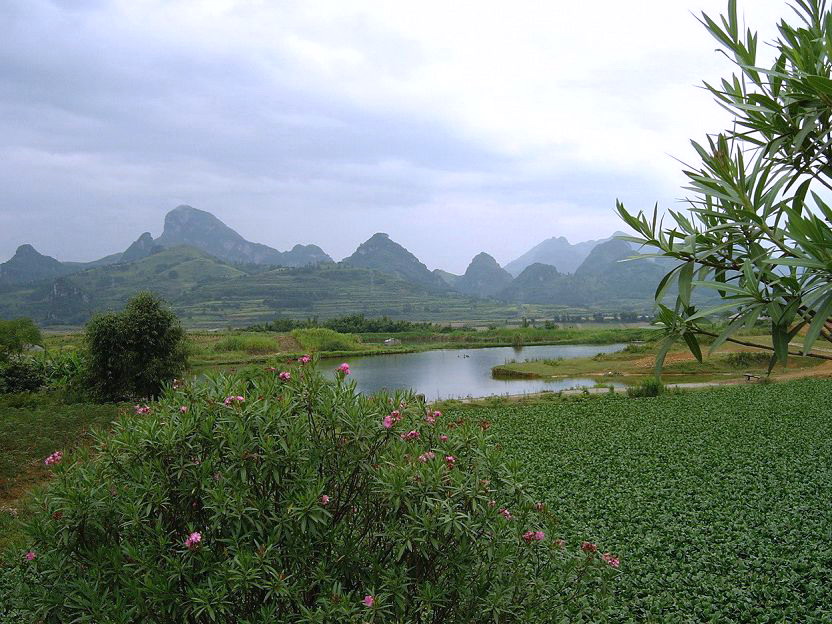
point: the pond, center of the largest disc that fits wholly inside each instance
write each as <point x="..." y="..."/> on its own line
<point x="459" y="373"/>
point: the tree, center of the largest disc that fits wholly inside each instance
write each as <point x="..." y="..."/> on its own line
<point x="134" y="352"/>
<point x="16" y="335"/>
<point x="758" y="228"/>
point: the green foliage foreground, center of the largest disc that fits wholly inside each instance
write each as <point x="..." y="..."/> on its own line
<point x="278" y="496"/>
<point x="718" y="500"/>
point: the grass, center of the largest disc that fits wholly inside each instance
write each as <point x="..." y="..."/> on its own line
<point x="635" y="364"/>
<point x="717" y="501"/>
<point x="31" y="427"/>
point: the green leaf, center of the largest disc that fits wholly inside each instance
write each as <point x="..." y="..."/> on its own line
<point x="693" y="345"/>
<point x="685" y="277"/>
<point x="821" y="315"/>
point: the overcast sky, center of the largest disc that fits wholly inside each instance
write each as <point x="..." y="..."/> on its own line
<point x="455" y="126"/>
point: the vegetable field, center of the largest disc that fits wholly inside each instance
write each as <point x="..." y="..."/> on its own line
<point x="719" y="503"/>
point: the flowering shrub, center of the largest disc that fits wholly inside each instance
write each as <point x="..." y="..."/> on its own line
<point x="298" y="501"/>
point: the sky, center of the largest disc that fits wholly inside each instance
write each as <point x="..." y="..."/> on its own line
<point x="454" y="126"/>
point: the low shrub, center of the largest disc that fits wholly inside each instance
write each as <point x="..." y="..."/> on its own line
<point x="647" y="388"/>
<point x="131" y="354"/>
<point x="279" y="496"/>
<point x="748" y="359"/>
<point x="22" y="374"/>
<point x="321" y="339"/>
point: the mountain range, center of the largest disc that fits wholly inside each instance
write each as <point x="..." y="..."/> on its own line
<point x="209" y="274"/>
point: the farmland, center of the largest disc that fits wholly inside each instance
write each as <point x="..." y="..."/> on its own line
<point x="716" y="501"/>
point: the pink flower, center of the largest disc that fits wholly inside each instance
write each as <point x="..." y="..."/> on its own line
<point x="443" y="438"/>
<point x="193" y="540"/>
<point x="344" y="369"/>
<point x="54" y="458"/>
<point x="533" y="536"/>
<point x="613" y="562"/>
<point x="285" y="376"/>
<point x="426" y="457"/>
<point x="142" y="409"/>
<point x="450" y="460"/>
<point x="410" y="435"/>
<point x="387" y="422"/>
<point x="396" y="415"/>
<point x="234" y="399"/>
<point x="430" y="418"/>
<point x="539" y="536"/>
<point x="589" y="547"/>
<point x="304" y="359"/>
<point x="505" y="513"/>
<point x="368" y="601"/>
<point x="324" y="500"/>
<point x="30" y="556"/>
<point x="538" y="506"/>
<point x="184" y="409"/>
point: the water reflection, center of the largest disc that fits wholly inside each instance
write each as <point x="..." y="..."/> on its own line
<point x="457" y="373"/>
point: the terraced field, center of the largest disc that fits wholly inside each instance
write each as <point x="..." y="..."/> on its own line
<point x="718" y="502"/>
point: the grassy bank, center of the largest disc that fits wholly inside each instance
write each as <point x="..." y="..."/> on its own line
<point x="31" y="427"/>
<point x="636" y="364"/>
<point x="238" y="347"/>
<point x="717" y="501"/>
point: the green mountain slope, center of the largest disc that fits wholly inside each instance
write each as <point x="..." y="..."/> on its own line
<point x="483" y="277"/>
<point x="381" y="253"/>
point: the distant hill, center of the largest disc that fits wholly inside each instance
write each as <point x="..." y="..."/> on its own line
<point x="601" y="279"/>
<point x="185" y="225"/>
<point x="449" y="278"/>
<point x="381" y="253"/>
<point x="28" y="266"/>
<point x="555" y="251"/>
<point x="141" y="248"/>
<point x="539" y="283"/>
<point x="483" y="277"/>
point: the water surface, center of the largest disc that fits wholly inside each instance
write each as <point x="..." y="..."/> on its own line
<point x="458" y="373"/>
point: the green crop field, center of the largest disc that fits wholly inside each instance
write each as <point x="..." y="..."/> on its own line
<point x="718" y="502"/>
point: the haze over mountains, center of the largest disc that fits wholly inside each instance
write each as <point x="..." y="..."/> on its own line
<point x="209" y="273"/>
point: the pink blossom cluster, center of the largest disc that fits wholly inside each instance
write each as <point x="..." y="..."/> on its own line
<point x="234" y="399"/>
<point x="344" y="369"/>
<point x="392" y="418"/>
<point x="54" y="458"/>
<point x="426" y="457"/>
<point x="533" y="536"/>
<point x="142" y="409"/>
<point x="450" y="461"/>
<point x="193" y="540"/>
<point x="410" y="435"/>
<point x="443" y="438"/>
<point x="184" y="409"/>
<point x="610" y="560"/>
<point x="304" y="359"/>
<point x="325" y="500"/>
<point x="589" y="547"/>
<point x="285" y="376"/>
<point x="30" y="556"/>
<point x="505" y="513"/>
<point x="368" y="601"/>
<point x="431" y="417"/>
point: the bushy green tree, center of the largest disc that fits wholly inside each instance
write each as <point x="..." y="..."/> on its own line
<point x="279" y="496"/>
<point x="16" y="335"/>
<point x="133" y="353"/>
<point x="758" y="228"/>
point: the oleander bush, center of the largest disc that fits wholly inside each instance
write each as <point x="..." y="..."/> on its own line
<point x="280" y="496"/>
